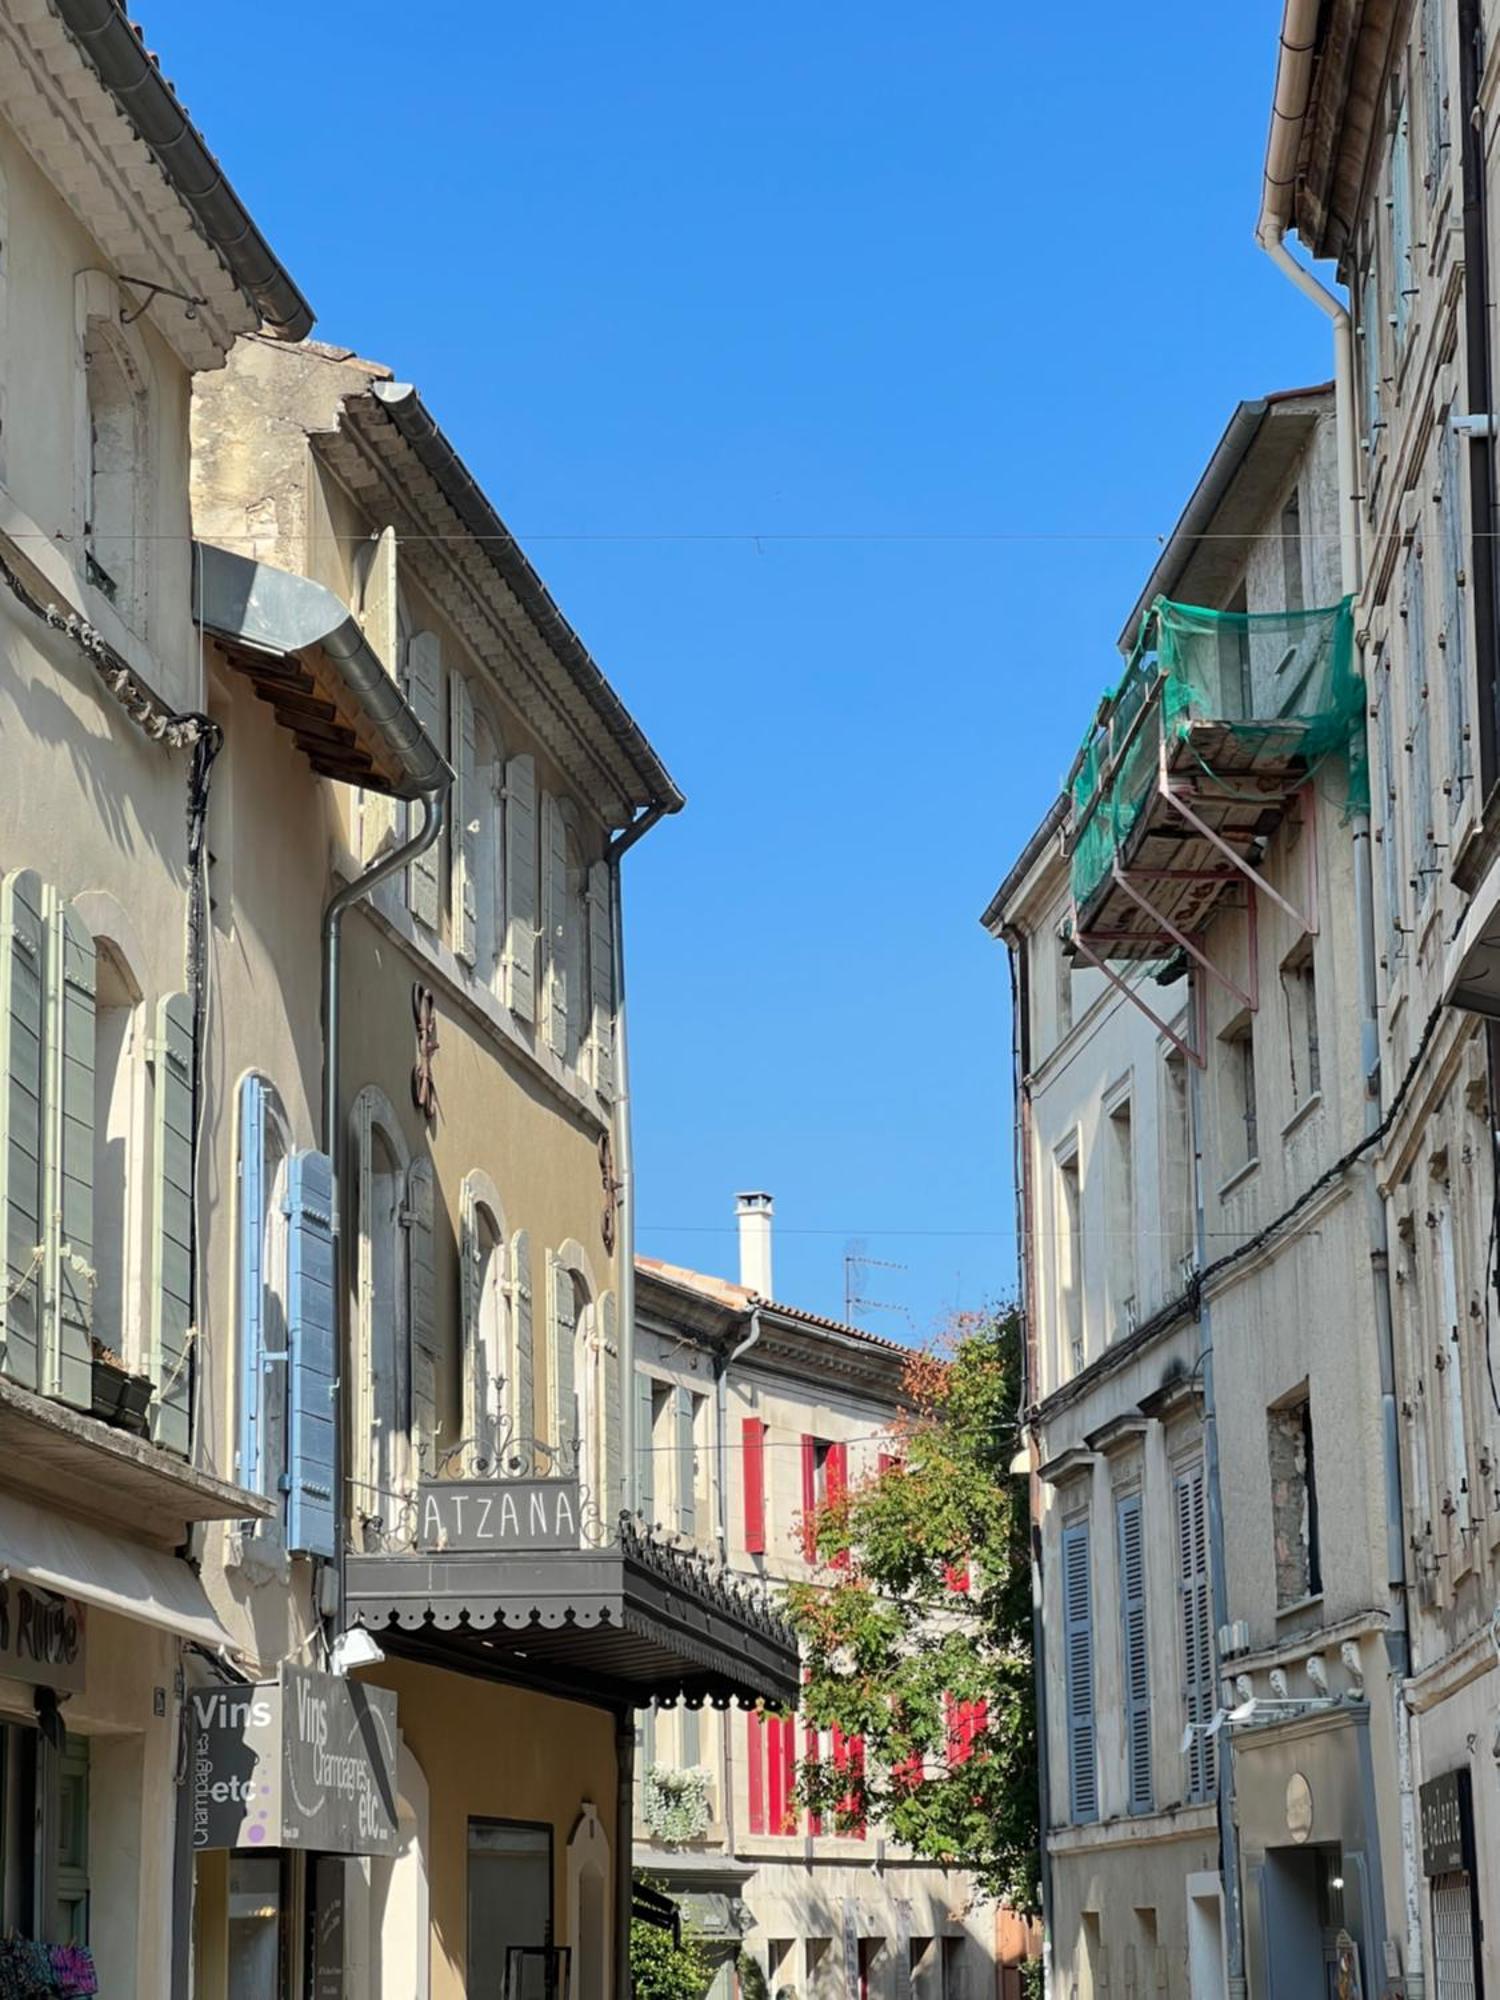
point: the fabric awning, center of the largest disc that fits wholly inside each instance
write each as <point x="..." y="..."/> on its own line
<point x="75" y="1560"/>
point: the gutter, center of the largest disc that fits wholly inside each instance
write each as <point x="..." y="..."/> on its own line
<point x="115" y="52"/>
<point x="402" y="404"/>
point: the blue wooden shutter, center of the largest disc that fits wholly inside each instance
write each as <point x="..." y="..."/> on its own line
<point x="1414" y="608"/>
<point x="68" y="1275"/>
<point x="1455" y="636"/>
<point x="252" y="1232"/>
<point x="22" y="961"/>
<point x="645" y="1456"/>
<point x="172" y="1218"/>
<point x="1403" y="269"/>
<point x="1196" y="1618"/>
<point x="1136" y="1658"/>
<point x="1434" y="68"/>
<point x="687" y="1491"/>
<point x="311" y="1515"/>
<point x="1078" y="1643"/>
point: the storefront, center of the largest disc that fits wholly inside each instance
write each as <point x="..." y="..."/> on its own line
<point x="1451" y="1871"/>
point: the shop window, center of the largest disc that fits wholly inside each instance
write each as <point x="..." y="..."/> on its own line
<point x="1294" y="1500"/>
<point x="510" y="1924"/>
<point x="258" y="1956"/>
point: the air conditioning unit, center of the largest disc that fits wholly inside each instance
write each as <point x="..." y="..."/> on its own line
<point x="1234" y="1639"/>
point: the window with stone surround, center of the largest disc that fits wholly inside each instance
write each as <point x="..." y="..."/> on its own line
<point x="1294" y="1499"/>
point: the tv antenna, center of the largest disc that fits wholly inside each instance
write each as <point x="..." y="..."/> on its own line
<point x="857" y="1263"/>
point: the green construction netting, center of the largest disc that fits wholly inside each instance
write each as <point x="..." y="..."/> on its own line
<point x="1257" y="671"/>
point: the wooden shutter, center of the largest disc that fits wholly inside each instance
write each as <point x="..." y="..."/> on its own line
<point x="645" y="1455"/>
<point x="809" y="1496"/>
<point x="1134" y="1651"/>
<point x="523" y="1415"/>
<point x="465" y="817"/>
<point x="380" y="621"/>
<point x="1455" y="635"/>
<point x="474" y="1362"/>
<point x="1196" y="1618"/>
<point x="787" y="1820"/>
<point x="1434" y="70"/>
<point x="172" y="1213"/>
<point x="312" y="1370"/>
<point x="836" y="1476"/>
<point x="1403" y="265"/>
<point x="811" y="1749"/>
<point x="421" y="1277"/>
<point x="252" y="1298"/>
<point x="1424" y="844"/>
<point x="755" y="1769"/>
<point x="555" y="925"/>
<point x="562" y="1339"/>
<point x="68" y="1163"/>
<point x="424" y="690"/>
<point x="601" y="981"/>
<point x="687" y="1493"/>
<point x="753" y="1461"/>
<point x="22" y="1094"/>
<point x="1078" y="1641"/>
<point x="609" y="1362"/>
<point x="777" y="1800"/>
<point x="520" y="887"/>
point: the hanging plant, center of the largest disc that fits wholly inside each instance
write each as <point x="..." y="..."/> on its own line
<point x="675" y="1804"/>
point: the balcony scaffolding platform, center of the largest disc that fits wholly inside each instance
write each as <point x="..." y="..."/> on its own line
<point x="1214" y="737"/>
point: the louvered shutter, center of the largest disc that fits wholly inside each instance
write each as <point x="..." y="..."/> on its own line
<point x="687" y="1495"/>
<point x="1078" y="1643"/>
<point x="252" y="1315"/>
<point x="312" y="1370"/>
<point x="776" y="1787"/>
<point x="22" y="1092"/>
<point x="477" y="1364"/>
<point x="421" y="1273"/>
<point x="466" y="810"/>
<point x="1134" y="1652"/>
<point x="809" y="1496"/>
<point x="424" y="691"/>
<point x="1424" y="847"/>
<point x="1196" y="1618"/>
<point x="609" y="1361"/>
<point x="788" y="1819"/>
<point x="755" y="1769"/>
<point x="1455" y="636"/>
<point x="379" y="620"/>
<point x="753" y="1462"/>
<point x="645" y="1455"/>
<point x="562" y="1337"/>
<point x="520" y="887"/>
<point x="1403" y="267"/>
<point x="810" y="1758"/>
<point x="836" y="1476"/>
<point x="601" y="981"/>
<point x="555" y="925"/>
<point x="523" y="1416"/>
<point x="68" y="1214"/>
<point x="1434" y="67"/>
<point x="172" y="1215"/>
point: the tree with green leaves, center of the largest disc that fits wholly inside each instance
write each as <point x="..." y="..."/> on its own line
<point x="916" y="1631"/>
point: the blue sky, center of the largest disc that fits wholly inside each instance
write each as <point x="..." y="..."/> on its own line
<point x="840" y="367"/>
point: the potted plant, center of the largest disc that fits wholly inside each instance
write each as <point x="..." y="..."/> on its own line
<point x="119" y="1398"/>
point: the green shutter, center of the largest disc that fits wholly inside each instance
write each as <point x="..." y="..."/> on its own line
<point x="424" y="691"/>
<point x="464" y="835"/>
<point x="520" y="887"/>
<point x="421" y="1269"/>
<point x="22" y="958"/>
<point x="379" y="617"/>
<point x="523" y="1409"/>
<point x="601" y="980"/>
<point x="687" y="1459"/>
<point x="645" y="1456"/>
<point x="67" y="1364"/>
<point x="556" y="927"/>
<point x="562" y="1340"/>
<point x="171" y="1223"/>
<point x="609" y="1361"/>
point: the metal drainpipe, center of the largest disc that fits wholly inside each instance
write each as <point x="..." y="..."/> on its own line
<point x="1229" y="1836"/>
<point x="625" y="1153"/>
<point x="435" y="811"/>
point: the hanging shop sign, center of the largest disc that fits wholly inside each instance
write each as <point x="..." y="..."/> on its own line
<point x="41" y="1637"/>
<point x="1447" y="1820"/>
<point x="308" y="1761"/>
<point x="497" y="1515"/>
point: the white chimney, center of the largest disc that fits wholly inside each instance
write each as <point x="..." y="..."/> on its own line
<point x="755" y="1212"/>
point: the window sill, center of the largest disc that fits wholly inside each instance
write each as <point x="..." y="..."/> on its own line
<point x="1300" y="1605"/>
<point x="1301" y="1115"/>
<point x="1238" y="1178"/>
<point x="259" y="1553"/>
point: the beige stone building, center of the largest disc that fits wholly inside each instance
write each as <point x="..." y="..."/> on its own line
<point x="748" y="1414"/>
<point x="416" y="736"/>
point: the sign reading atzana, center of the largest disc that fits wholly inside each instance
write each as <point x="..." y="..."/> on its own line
<point x="497" y="1514"/>
<point x="307" y="1761"/>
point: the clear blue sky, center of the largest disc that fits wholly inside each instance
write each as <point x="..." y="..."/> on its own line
<point x="839" y="366"/>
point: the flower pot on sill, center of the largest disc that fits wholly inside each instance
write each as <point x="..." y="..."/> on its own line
<point x="120" y="1398"/>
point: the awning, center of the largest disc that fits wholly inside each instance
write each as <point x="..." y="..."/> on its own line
<point x="75" y="1560"/>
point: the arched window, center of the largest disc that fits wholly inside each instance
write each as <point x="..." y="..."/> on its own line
<point x="584" y="1372"/>
<point x="114" y="435"/>
<point x="488" y="1361"/>
<point x="381" y="1274"/>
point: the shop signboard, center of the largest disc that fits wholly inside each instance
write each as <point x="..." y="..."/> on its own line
<point x="41" y="1637"/>
<point x="308" y="1761"/>
<point x="496" y="1516"/>
<point x="1446" y="1818"/>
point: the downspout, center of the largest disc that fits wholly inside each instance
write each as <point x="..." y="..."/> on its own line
<point x="1020" y="1043"/>
<point x="1229" y="1835"/>
<point x="434" y="805"/>
<point x="1294" y="72"/>
<point x="625" y="1151"/>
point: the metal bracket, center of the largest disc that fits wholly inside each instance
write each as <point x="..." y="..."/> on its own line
<point x="1184" y="1049"/>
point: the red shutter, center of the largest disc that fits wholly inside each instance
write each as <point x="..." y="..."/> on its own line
<point x="809" y="1496"/>
<point x="857" y="1770"/>
<point x="886" y="1460"/>
<point x="754" y="1435"/>
<point x="789" y="1774"/>
<point x="755" y="1769"/>
<point x="956" y="1576"/>
<point x="810" y="1749"/>
<point x="908" y="1773"/>
<point x="838" y="1486"/>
